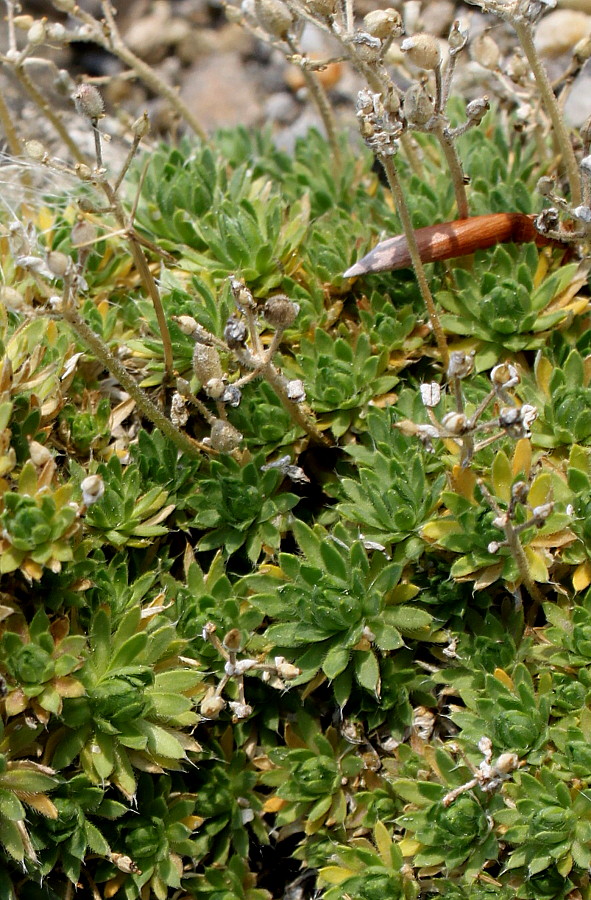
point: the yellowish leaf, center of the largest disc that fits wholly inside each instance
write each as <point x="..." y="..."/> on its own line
<point x="440" y="528"/>
<point x="335" y="874"/>
<point x="536" y="565"/>
<point x="543" y="370"/>
<point x="463" y="482"/>
<point x="582" y="576"/>
<point x="522" y="458"/>
<point x="273" y="804"/>
<point x="502" y="476"/>
<point x="541" y="490"/>
<point x="408" y="846"/>
<point x="383" y="842"/>
<point x="505" y="679"/>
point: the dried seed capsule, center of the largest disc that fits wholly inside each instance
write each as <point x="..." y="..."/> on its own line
<point x="286" y="669"/>
<point x="477" y="109"/>
<point x="323" y="8"/>
<point x="232" y="640"/>
<point x="214" y="388"/>
<point x="211" y="706"/>
<point x="418" y="105"/>
<point x="383" y="23"/>
<point x="206" y="363"/>
<point x="187" y="324"/>
<point x="368" y="48"/>
<point x="58" y="263"/>
<point x="274" y="17"/>
<point x="485" y="51"/>
<point x="35" y="150"/>
<point x="37" y="32"/>
<point x="455" y="423"/>
<point x="89" y="102"/>
<point x="82" y="234"/>
<point x="458" y="37"/>
<point x="423" y="50"/>
<point x="224" y="437"/>
<point x="141" y="126"/>
<point x="93" y="488"/>
<point x="39" y="453"/>
<point x="280" y="311"/>
<point x="506" y="763"/>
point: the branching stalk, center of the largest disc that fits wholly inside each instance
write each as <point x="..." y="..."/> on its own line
<point x="92" y="340"/>
<point x="403" y="212"/>
<point x="524" y="34"/>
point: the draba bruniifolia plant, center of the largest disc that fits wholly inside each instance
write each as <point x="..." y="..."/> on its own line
<point x="243" y="342"/>
<point x="277" y="674"/>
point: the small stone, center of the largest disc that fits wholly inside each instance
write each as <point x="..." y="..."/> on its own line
<point x="281" y="107"/>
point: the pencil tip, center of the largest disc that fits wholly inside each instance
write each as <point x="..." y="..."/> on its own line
<point x="356" y="269"/>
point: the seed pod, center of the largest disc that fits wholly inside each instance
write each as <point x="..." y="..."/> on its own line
<point x="423" y="50"/>
<point x="214" y="388"/>
<point x="35" y="150"/>
<point x="485" y="52"/>
<point x="206" y="363"/>
<point x="82" y="234"/>
<point x="93" y="488"/>
<point x="187" y="324"/>
<point x="457" y="38"/>
<point x="322" y="8"/>
<point x="506" y="763"/>
<point x="418" y="106"/>
<point x="141" y="126"/>
<point x="455" y="423"/>
<point x="383" y="23"/>
<point x="23" y="22"/>
<point x="58" y="263"/>
<point x="274" y="17"/>
<point x="280" y="312"/>
<point x="286" y="669"/>
<point x="89" y="102"/>
<point x="232" y="640"/>
<point x="477" y="109"/>
<point x="368" y="48"/>
<point x="211" y="706"/>
<point x="39" y="454"/>
<point x="224" y="437"/>
<point x="37" y="32"/>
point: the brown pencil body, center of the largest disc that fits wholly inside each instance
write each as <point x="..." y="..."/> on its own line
<point x="448" y="240"/>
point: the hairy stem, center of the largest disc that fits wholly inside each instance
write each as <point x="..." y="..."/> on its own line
<point x="524" y="34"/>
<point x="92" y="340"/>
<point x="403" y="212"/>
